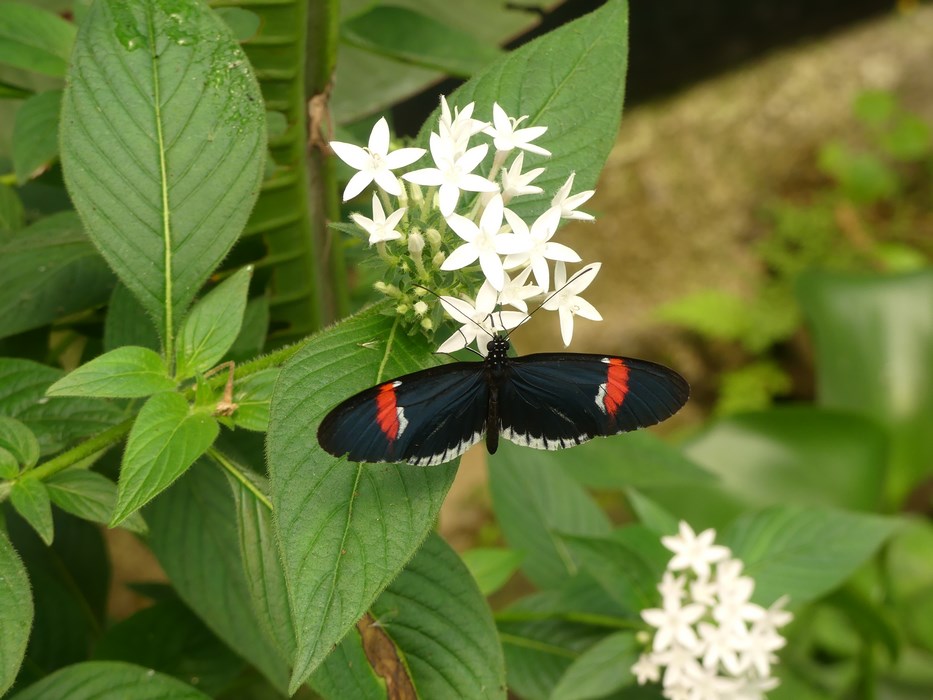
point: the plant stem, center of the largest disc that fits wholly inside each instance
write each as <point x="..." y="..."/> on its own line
<point x="578" y="617"/>
<point x="234" y="471"/>
<point x="108" y="438"/>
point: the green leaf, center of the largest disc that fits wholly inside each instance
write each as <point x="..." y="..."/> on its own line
<point x="127" y="322"/>
<point x="874" y="356"/>
<point x="173" y="96"/>
<point x="909" y="139"/>
<point x="657" y="519"/>
<point x="90" y="496"/>
<point x="35" y="134"/>
<point x="252" y="395"/>
<point x="9" y="465"/>
<point x="166" y="439"/>
<point x="49" y="270"/>
<point x="170" y="639"/>
<point x="12" y="216"/>
<point x="863" y="177"/>
<point x="56" y="422"/>
<point x="628" y="565"/>
<point x="804" y="552"/>
<point x="243" y="23"/>
<point x="193" y="532"/>
<point x="534" y="500"/>
<point x="441" y="626"/>
<point x="491" y="567"/>
<point x="542" y="80"/>
<point x="126" y="372"/>
<point x="252" y="337"/>
<point x="212" y="325"/>
<point x="30" y="498"/>
<point x="412" y="37"/>
<point x="335" y="560"/>
<point x="17" y="439"/>
<point x="15" y="613"/>
<point x="712" y="313"/>
<point x="601" y="670"/>
<point x="109" y="680"/>
<point x="874" y="107"/>
<point x="262" y="568"/>
<point x="796" y="454"/>
<point x="347" y="673"/>
<point x="34" y="39"/>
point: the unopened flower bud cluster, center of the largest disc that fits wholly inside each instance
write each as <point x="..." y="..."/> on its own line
<point x="710" y="641"/>
<point x="449" y="229"/>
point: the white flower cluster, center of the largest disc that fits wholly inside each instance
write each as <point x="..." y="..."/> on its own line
<point x="507" y="249"/>
<point x="710" y="641"/>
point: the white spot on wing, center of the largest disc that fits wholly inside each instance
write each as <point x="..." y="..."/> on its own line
<point x="402" y="420"/>
<point x="448" y="454"/>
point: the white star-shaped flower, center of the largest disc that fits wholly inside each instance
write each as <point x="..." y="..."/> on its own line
<point x="374" y="162"/>
<point x="536" y="246"/>
<point x="515" y="183"/>
<point x="721" y="645"/>
<point x="381" y="227"/>
<point x="453" y="173"/>
<point x="673" y="587"/>
<point x="514" y="292"/>
<point x="479" y="320"/>
<point x="646" y="669"/>
<point x="568" y="203"/>
<point x="692" y="551"/>
<point x="506" y="136"/>
<point x="566" y="300"/>
<point x="483" y="242"/>
<point x="459" y="127"/>
<point x="674" y="624"/>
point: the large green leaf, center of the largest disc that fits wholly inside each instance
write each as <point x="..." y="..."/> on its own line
<point x="35" y="39"/>
<point x="874" y="356"/>
<point x="491" y="567"/>
<point x="15" y="612"/>
<point x="163" y="146"/>
<point x="601" y="670"/>
<point x="127" y="372"/>
<point x="571" y="80"/>
<point x="56" y="421"/>
<point x="127" y="322"/>
<point x="35" y="134"/>
<point x="442" y="627"/>
<point x="344" y="530"/>
<point x="49" y="270"/>
<point x="109" y="680"/>
<point x="804" y="552"/>
<point x="800" y="454"/>
<point x="193" y="532"/>
<point x="535" y="500"/>
<point x="166" y="439"/>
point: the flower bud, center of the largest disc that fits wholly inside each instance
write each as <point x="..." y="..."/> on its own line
<point x="415" y="243"/>
<point x="427" y="324"/>
<point x="434" y="239"/>
<point x="401" y="309"/>
<point x="438" y="259"/>
<point x="420" y="308"/>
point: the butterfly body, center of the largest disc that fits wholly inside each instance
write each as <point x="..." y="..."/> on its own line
<point x="545" y="401"/>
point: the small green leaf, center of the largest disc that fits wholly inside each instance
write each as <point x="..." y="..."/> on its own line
<point x="657" y="519"/>
<point x="212" y="325"/>
<point x="90" y="496"/>
<point x="35" y="134"/>
<point x="12" y="215"/>
<point x="804" y="552"/>
<point x="34" y="39"/>
<point x="252" y="337"/>
<point x="252" y="395"/>
<point x="165" y="440"/>
<point x="49" y="270"/>
<point x="534" y="499"/>
<point x="109" y="680"/>
<point x="16" y="612"/>
<point x="30" y="498"/>
<point x="127" y="322"/>
<point x="491" y="567"/>
<point x="9" y="464"/>
<point x="713" y="313"/>
<point x="416" y="38"/>
<point x="19" y="441"/>
<point x="909" y="139"/>
<point x="601" y="670"/>
<point x="874" y="107"/>
<point x="126" y="372"/>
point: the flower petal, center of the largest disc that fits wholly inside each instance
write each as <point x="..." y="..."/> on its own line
<point x="461" y="257"/>
<point x="379" y="137"/>
<point x="357" y="184"/>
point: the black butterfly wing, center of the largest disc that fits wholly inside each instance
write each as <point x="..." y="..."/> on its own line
<point x="425" y="418"/>
<point x="555" y="400"/>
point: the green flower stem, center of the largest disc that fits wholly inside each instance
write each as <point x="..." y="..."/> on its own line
<point x="101" y="441"/>
<point x="273" y="359"/>
<point x="235" y="472"/>
<point x="581" y="618"/>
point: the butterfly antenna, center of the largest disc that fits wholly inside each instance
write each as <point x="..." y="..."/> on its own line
<point x="459" y="330"/>
<point x="549" y="297"/>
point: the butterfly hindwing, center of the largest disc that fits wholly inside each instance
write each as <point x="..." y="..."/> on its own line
<point x="555" y="400"/>
<point x="425" y="418"/>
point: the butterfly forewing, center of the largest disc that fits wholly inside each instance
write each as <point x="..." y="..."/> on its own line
<point x="425" y="418"/>
<point x="555" y="400"/>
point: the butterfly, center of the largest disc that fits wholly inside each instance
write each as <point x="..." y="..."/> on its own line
<point x="547" y="401"/>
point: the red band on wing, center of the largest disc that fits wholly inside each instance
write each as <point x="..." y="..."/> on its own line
<point x="387" y="411"/>
<point x="616" y="385"/>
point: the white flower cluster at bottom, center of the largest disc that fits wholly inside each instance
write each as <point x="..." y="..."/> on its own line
<point x="710" y="641"/>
